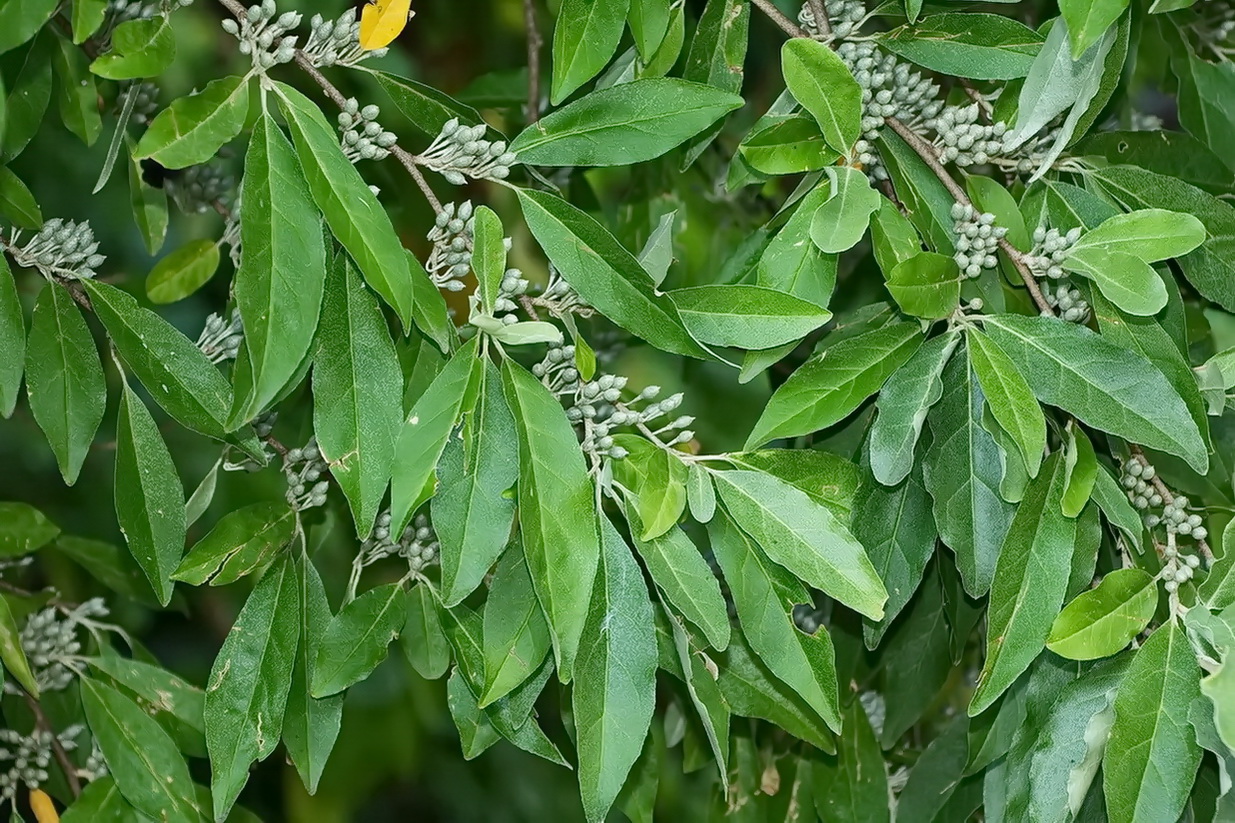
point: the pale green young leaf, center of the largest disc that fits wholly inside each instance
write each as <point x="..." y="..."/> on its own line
<point x="488" y="255"/>
<point x="584" y="39"/>
<point x="139" y="48"/>
<point x="1080" y="470"/>
<point x="700" y="493"/>
<point x="686" y="581"/>
<point x="516" y="636"/>
<point x="792" y="263"/>
<point x="357" y="396"/>
<point x="1105" y="619"/>
<point x="240" y="543"/>
<point x="788" y="144"/>
<point x="823" y="84"/>
<point x="193" y="128"/>
<point x="746" y="317"/>
<point x="840" y="222"/>
<point x="87" y="18"/>
<point x="1009" y="397"/>
<point x="656" y="256"/>
<point x="11" y="652"/>
<point x="926" y="285"/>
<point x="1148" y="234"/>
<point x="64" y="379"/>
<point x="1124" y="279"/>
<point x="12" y="340"/>
<point x="357" y="639"/>
<point x="557" y="515"/>
<point x="183" y="271"/>
<point x="1088" y="20"/>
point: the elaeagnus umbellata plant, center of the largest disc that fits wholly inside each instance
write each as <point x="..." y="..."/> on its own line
<point x="720" y="409"/>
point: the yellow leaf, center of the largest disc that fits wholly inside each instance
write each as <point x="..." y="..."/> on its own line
<point x="44" y="810"/>
<point x="381" y="21"/>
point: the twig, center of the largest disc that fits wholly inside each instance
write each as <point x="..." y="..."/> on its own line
<point x="62" y="757"/>
<point x="409" y="162"/>
<point x="534" y="43"/>
<point x="778" y="17"/>
<point x="822" y="22"/>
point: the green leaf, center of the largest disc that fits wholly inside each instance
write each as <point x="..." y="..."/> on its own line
<point x="357" y="638"/>
<point x="1031" y="577"/>
<point x="183" y="272"/>
<point x="853" y="787"/>
<point x="604" y="273"/>
<point x="972" y="45"/>
<point x="356" y="405"/>
<point x="24" y="529"/>
<point x="688" y="583"/>
<point x="1105" y="619"/>
<point x="765" y="595"/>
<point x="1009" y="397"/>
<point x="99" y="800"/>
<point x="584" y="39"/>
<point x="424" y="107"/>
<point x="1125" y="280"/>
<point x="1176" y="154"/>
<point x="823" y="84"/>
<point x="1080" y="470"/>
<point x="12" y="340"/>
<point x="1149" y="234"/>
<point x="658" y="480"/>
<point x="834" y="382"/>
<point x="1089" y="20"/>
<point x="11" y="652"/>
<point x="476" y="731"/>
<point x="516" y="636"/>
<point x="282" y="273"/>
<point x="76" y="94"/>
<point x="1117" y="509"/>
<point x="557" y="513"/>
<point x="700" y="494"/>
<point x="649" y="23"/>
<point x="193" y="129"/>
<point x="746" y="317"/>
<point x="29" y="94"/>
<point x="175" y="371"/>
<point x="87" y="18"/>
<point x="1105" y="386"/>
<point x="910" y="393"/>
<point x="916" y="654"/>
<point x="927" y="285"/>
<point x="804" y="537"/>
<point x="246" y="694"/>
<point x="473" y="510"/>
<point x="751" y="690"/>
<point x="17" y="203"/>
<point x="64" y="379"/>
<point x="139" y="48"/>
<point x="614" y="690"/>
<point x="716" y="57"/>
<point x="149" y="497"/>
<point x="826" y="478"/>
<point x="792" y="263"/>
<point x="140" y="755"/>
<point x="788" y="144"/>
<point x="701" y="683"/>
<point x="21" y="19"/>
<point x="351" y="209"/>
<point x="488" y="255"/>
<point x="961" y="470"/>
<point x="841" y="221"/>
<point x="240" y="543"/>
<point x="423" y="639"/>
<point x="625" y="124"/>
<point x="1152" y="756"/>
<point x="149" y="205"/>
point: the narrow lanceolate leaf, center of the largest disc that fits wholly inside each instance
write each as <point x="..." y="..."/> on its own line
<point x="792" y="263"/>
<point x="1010" y="399"/>
<point x="1103" y="385"/>
<point x="804" y="537"/>
<point x="64" y="379"/>
<point x="1031" y="578"/>
<point x="825" y="87"/>
<point x="1115" y="506"/>
<point x="746" y="317"/>
<point x="557" y="511"/>
<point x="241" y="542"/>
<point x="140" y="755"/>
<point x="12" y="340"/>
<point x="357" y="639"/>
<point x="1152" y="757"/>
<point x="687" y="581"/>
<point x="357" y="396"/>
<point x="584" y="39"/>
<point x="282" y="272"/>
<point x="310" y="724"/>
<point x="853" y="788"/>
<point x="175" y="371"/>
<point x="426" y="429"/>
<point x="701" y="682"/>
<point x="961" y="471"/>
<point x="516" y="636"/>
<point x="1148" y="234"/>
<point x="624" y="124"/>
<point x="1105" y="619"/>
<point x="752" y="690"/>
<point x="911" y="392"/>
<point x="193" y="129"/>
<point x="12" y="654"/>
<point x="247" y="691"/>
<point x="604" y="273"/>
<point x="474" y="509"/>
<point x="19" y="21"/>
<point x="149" y="497"/>
<point x="835" y="382"/>
<point x="351" y="210"/>
<point x="765" y="595"/>
<point x="488" y="255"/>
<point x="614" y="689"/>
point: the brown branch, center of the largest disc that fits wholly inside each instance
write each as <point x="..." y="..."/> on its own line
<point x="822" y="22"/>
<point x="534" y="43"/>
<point x="778" y="17"/>
<point x="409" y="162"/>
<point x="57" y="748"/>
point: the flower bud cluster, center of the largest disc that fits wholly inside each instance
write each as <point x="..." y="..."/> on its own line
<point x="1175" y="518"/>
<point x="62" y="248"/>
<point x="1045" y="262"/>
<point x="49" y="639"/>
<point x="1178" y="568"/>
<point x="513" y="286"/>
<point x="962" y="140"/>
<point x="145" y="101"/>
<point x="264" y="36"/>
<point x="1136" y="479"/>
<point x="200" y="187"/>
<point x="305" y="470"/>
<point x="220" y="340"/>
<point x="845" y="16"/>
<point x="337" y="42"/>
<point x="977" y="239"/>
<point x="808" y="618"/>
<point x="1213" y="27"/>
<point x="560" y="298"/>
<point x="1068" y="303"/>
<point x="451" y="236"/>
<point x="363" y="137"/>
<point x="460" y="152"/>
<point x="417" y="544"/>
<point x="122" y="11"/>
<point x="29" y="757"/>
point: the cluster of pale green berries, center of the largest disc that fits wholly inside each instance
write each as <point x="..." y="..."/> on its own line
<point x="459" y="152"/>
<point x="29" y="757"/>
<point x="220" y="339"/>
<point x="49" y="640"/>
<point x="560" y="298"/>
<point x="977" y="239"/>
<point x="263" y="36"/>
<point x="144" y="98"/>
<point x="1137" y="482"/>
<point x="845" y="16"/>
<point x="337" y="42"/>
<point x="962" y="140"/>
<point x="200" y="188"/>
<point x="305" y="470"/>
<point x="451" y="236"/>
<point x="1068" y="301"/>
<point x="808" y="618"/>
<point x="1045" y="262"/>
<point x="363" y="137"/>
<point x="61" y="248"/>
<point x="1178" y="568"/>
<point x="417" y="544"/>
<point x="122" y="11"/>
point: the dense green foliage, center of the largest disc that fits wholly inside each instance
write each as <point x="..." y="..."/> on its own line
<point x="737" y="410"/>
